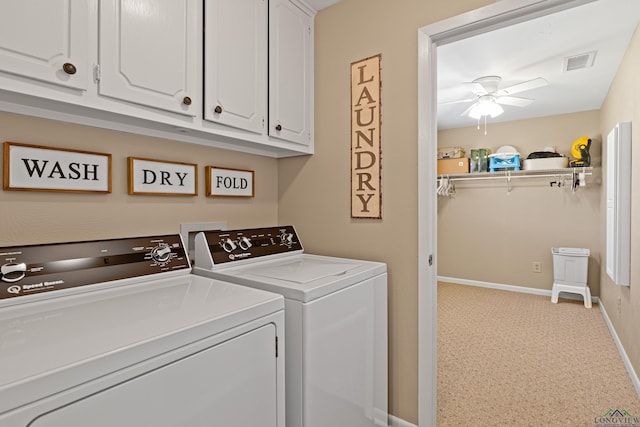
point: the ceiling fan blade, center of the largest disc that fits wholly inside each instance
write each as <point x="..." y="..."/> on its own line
<point x="514" y="100"/>
<point x="466" y="112"/>
<point x="521" y="87"/>
<point x="457" y="102"/>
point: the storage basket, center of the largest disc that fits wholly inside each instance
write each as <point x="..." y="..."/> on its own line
<point x="504" y="161"/>
<point x="450" y="153"/>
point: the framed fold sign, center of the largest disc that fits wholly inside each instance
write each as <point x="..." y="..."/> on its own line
<point x="366" y="145"/>
<point x="227" y="182"/>
<point x="38" y="168"/>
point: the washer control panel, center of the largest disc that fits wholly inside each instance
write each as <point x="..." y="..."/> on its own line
<point x="28" y="270"/>
<point x="236" y="245"/>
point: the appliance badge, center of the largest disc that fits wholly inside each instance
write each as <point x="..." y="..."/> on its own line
<point x="239" y="256"/>
<point x="15" y="289"/>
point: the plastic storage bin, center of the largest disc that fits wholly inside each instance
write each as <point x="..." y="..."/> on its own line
<point x="504" y="161"/>
<point x="570" y="268"/>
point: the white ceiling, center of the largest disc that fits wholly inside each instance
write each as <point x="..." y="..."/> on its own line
<point x="534" y="49"/>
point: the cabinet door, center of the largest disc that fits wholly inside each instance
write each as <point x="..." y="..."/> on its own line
<point x="618" y="199"/>
<point x="236" y="63"/>
<point x="148" y="53"/>
<point x="46" y="40"/>
<point x="289" y="72"/>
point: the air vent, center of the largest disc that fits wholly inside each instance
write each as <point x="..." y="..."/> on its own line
<point x="577" y="62"/>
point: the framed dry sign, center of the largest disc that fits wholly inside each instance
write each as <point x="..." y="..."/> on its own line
<point x="39" y="168"/>
<point x="225" y="182"/>
<point x="161" y="178"/>
<point x="366" y="145"/>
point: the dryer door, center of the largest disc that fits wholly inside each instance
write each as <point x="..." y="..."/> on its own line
<point x="230" y="384"/>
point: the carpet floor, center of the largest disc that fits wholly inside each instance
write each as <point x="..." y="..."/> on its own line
<point x="516" y="359"/>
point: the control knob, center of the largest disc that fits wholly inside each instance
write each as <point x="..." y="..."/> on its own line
<point x="286" y="239"/>
<point x="161" y="254"/>
<point x="245" y="243"/>
<point x="228" y="245"/>
<point x="12" y="272"/>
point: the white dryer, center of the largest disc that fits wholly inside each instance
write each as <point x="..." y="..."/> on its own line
<point x="120" y="333"/>
<point x="335" y="321"/>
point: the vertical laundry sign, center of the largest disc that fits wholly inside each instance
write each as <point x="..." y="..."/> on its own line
<point x="366" y="150"/>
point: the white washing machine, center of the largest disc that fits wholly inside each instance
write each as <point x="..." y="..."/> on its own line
<point x="335" y="321"/>
<point x="120" y="333"/>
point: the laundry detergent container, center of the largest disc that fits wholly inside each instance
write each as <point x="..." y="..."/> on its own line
<point x="570" y="266"/>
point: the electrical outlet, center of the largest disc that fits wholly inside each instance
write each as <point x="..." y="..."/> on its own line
<point x="619" y="305"/>
<point x="536" y="267"/>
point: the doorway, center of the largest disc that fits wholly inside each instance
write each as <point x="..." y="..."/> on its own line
<point x="494" y="16"/>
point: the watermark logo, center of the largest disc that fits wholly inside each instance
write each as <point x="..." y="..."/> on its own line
<point x="616" y="418"/>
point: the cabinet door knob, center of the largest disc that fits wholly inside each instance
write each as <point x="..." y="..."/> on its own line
<point x="69" y="68"/>
<point x="218" y="109"/>
<point x="278" y="127"/>
<point x="186" y="100"/>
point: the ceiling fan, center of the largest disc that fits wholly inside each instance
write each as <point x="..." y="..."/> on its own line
<point x="488" y="96"/>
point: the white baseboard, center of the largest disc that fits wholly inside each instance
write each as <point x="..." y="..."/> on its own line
<point x="399" y="422"/>
<point x="512" y="288"/>
<point x="625" y="359"/>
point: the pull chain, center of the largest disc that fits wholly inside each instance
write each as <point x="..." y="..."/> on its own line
<point x="485" y="124"/>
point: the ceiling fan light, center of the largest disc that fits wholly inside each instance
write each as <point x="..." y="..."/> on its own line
<point x="485" y="108"/>
<point x="475" y="112"/>
<point x="495" y="110"/>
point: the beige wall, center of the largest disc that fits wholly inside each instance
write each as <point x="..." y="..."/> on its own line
<point x="39" y="217"/>
<point x="488" y="234"/>
<point x="315" y="191"/>
<point x="310" y="192"/>
<point x="621" y="105"/>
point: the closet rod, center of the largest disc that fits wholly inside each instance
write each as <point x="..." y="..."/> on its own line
<point x="510" y="176"/>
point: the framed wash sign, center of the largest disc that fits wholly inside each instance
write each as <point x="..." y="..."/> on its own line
<point x="225" y="182"/>
<point x="39" y="168"/>
<point x="162" y="178"/>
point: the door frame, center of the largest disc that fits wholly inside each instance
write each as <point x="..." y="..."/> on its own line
<point x="498" y="15"/>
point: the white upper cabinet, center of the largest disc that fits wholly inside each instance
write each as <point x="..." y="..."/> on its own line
<point x="290" y="85"/>
<point x="149" y="53"/>
<point x="232" y="74"/>
<point x="235" y="63"/>
<point x="46" y="40"/>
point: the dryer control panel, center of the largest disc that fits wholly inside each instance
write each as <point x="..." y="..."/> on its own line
<point x="28" y="270"/>
<point x="235" y="245"/>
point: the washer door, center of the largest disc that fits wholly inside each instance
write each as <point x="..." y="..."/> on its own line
<point x="302" y="270"/>
<point x="229" y="384"/>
